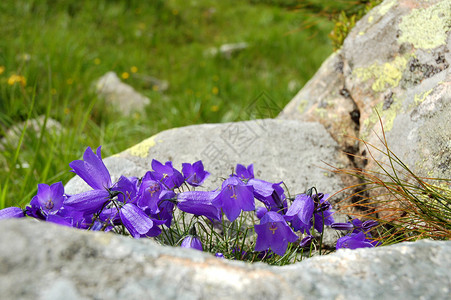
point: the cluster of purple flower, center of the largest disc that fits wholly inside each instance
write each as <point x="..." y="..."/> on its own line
<point x="360" y="236"/>
<point x="142" y="206"/>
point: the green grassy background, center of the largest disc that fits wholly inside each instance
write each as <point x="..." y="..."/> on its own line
<point x="61" y="47"/>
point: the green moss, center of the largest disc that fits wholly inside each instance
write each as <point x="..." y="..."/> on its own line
<point x="427" y="28"/>
<point x="386" y="75"/>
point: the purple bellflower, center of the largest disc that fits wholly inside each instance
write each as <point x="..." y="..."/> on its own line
<point x="245" y="173"/>
<point x="149" y="194"/>
<point x="307" y="211"/>
<point x="92" y="170"/>
<point x="365" y="226"/>
<point x="199" y="203"/>
<point x="234" y="197"/>
<point x="342" y="226"/>
<point x="192" y="242"/>
<point x="137" y="222"/>
<point x="49" y="199"/>
<point x="300" y="212"/>
<point x="166" y="174"/>
<point x="305" y="242"/>
<point x="354" y="241"/>
<point x="88" y="202"/>
<point x="194" y="174"/>
<point x="273" y="232"/>
<point x="11" y="212"/>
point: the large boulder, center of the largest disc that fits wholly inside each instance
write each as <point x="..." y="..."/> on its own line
<point x="46" y="261"/>
<point x="394" y="64"/>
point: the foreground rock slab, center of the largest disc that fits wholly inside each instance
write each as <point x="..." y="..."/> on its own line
<point x="46" y="261"/>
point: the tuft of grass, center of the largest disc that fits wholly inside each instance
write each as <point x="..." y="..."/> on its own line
<point x="408" y="207"/>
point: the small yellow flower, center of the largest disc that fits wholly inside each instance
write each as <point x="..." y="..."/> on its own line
<point x="2" y="69"/>
<point x="214" y="108"/>
<point x="125" y="75"/>
<point x="53" y="91"/>
<point x="69" y="81"/>
<point x="134" y="69"/>
<point x="97" y="61"/>
<point x="175" y="12"/>
<point x="66" y="110"/>
<point x="155" y="88"/>
<point x="215" y="90"/>
<point x="17" y="79"/>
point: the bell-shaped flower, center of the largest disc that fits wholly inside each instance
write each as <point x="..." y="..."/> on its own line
<point x="11" y="212"/>
<point x="234" y="197"/>
<point x="166" y="174"/>
<point x="137" y="222"/>
<point x="149" y="195"/>
<point x="88" y="202"/>
<point x="354" y="241"/>
<point x="126" y="189"/>
<point x="166" y="209"/>
<point x="244" y="173"/>
<point x="92" y="170"/>
<point x="323" y="217"/>
<point x="301" y="212"/>
<point x="194" y="174"/>
<point x="199" y="203"/>
<point x="192" y="242"/>
<point x="305" y="242"/>
<point x="276" y="201"/>
<point x="342" y="226"/>
<point x="49" y="198"/>
<point x="274" y="233"/>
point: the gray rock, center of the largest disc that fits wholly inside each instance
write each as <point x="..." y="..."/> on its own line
<point x="120" y="95"/>
<point x="228" y="50"/>
<point x="46" y="261"/>
<point x="395" y="63"/>
<point x="33" y="127"/>
<point x="288" y="151"/>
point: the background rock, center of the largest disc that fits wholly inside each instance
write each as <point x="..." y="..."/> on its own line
<point x="120" y="95"/>
<point x="394" y="62"/>
<point x="46" y="261"/>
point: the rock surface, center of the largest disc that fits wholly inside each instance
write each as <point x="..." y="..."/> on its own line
<point x="65" y="263"/>
<point x="394" y="62"/>
<point x="120" y="95"/>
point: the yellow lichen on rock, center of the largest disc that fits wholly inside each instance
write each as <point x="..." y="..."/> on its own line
<point x="388" y="117"/>
<point x="385" y="75"/>
<point x="426" y="28"/>
<point x="302" y="105"/>
<point x="142" y="149"/>
<point x="419" y="98"/>
<point x="384" y="7"/>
